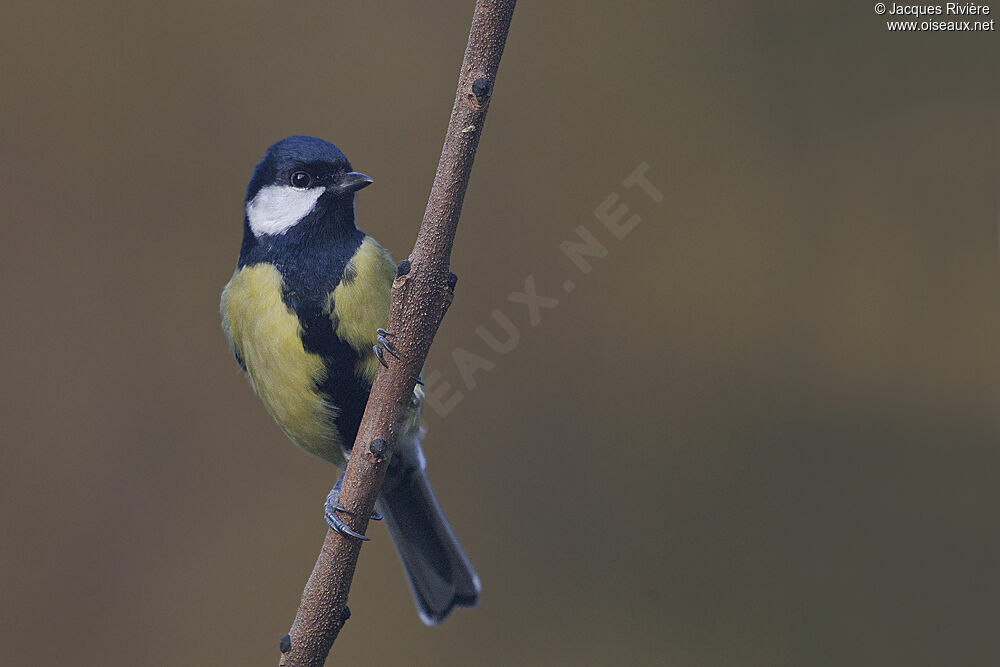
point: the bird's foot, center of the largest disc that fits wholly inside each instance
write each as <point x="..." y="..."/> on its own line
<point x="381" y="337"/>
<point x="333" y="506"/>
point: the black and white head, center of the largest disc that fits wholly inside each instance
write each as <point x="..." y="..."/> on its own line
<point x="301" y="179"/>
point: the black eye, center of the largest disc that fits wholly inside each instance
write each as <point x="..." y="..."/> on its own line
<point x="300" y="179"/>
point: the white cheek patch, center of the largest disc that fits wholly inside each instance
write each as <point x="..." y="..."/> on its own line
<point x="278" y="208"/>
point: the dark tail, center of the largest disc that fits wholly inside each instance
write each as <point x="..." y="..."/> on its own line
<point x="440" y="573"/>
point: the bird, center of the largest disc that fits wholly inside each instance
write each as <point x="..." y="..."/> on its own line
<point x="304" y="314"/>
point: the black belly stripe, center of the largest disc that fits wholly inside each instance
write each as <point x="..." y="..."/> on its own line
<point x="312" y="257"/>
<point x="342" y="387"/>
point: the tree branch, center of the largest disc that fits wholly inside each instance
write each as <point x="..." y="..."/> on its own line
<point x="421" y="293"/>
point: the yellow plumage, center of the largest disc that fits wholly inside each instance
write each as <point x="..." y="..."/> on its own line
<point x="266" y="334"/>
<point x="361" y="303"/>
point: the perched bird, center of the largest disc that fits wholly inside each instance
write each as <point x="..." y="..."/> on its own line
<point x="303" y="313"/>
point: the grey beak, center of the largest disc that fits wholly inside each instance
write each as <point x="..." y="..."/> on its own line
<point x="352" y="181"/>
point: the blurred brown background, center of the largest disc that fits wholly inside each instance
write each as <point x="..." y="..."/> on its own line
<point x="762" y="431"/>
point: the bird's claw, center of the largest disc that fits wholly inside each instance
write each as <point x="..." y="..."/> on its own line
<point x="335" y="522"/>
<point x="381" y="337"/>
<point x="375" y="515"/>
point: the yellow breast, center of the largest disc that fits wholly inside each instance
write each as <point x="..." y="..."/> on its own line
<point x="361" y="305"/>
<point x="361" y="302"/>
<point x="266" y="335"/>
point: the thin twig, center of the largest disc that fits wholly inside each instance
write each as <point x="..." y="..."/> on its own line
<point x="421" y="293"/>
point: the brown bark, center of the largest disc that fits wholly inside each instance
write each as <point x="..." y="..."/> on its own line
<point x="421" y="294"/>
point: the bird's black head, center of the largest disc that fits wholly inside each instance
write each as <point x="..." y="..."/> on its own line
<point x="303" y="187"/>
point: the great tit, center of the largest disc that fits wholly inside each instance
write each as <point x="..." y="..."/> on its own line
<point x="303" y="313"/>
